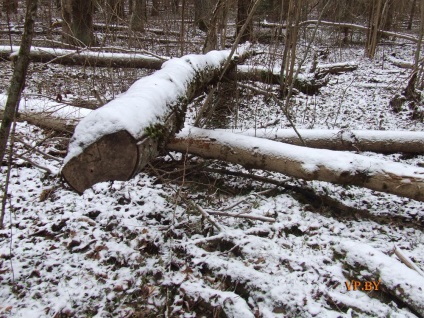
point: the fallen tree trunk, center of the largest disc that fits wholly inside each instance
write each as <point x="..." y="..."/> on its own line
<point x="41" y="120"/>
<point x="346" y="140"/>
<point x="115" y="141"/>
<point x="307" y="84"/>
<point x="302" y="162"/>
<point x="342" y="25"/>
<point x="367" y="263"/>
<point x="86" y="58"/>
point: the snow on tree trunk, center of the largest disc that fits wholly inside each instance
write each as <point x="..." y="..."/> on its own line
<point x="87" y="58"/>
<point x="391" y="276"/>
<point x="352" y="140"/>
<point x="117" y="140"/>
<point x="301" y="162"/>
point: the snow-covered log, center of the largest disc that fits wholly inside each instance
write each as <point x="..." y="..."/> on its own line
<point x="306" y="23"/>
<point x="229" y="302"/>
<point x="306" y="83"/>
<point x="368" y="263"/>
<point x="117" y="140"/>
<point x="85" y="57"/>
<point x="351" y="140"/>
<point x="301" y="162"/>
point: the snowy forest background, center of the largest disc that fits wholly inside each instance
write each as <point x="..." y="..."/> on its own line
<point x="191" y="236"/>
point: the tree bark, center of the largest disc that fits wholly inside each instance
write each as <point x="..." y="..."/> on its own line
<point x="346" y="140"/>
<point x="243" y="9"/>
<point x="203" y="11"/>
<point x="10" y="6"/>
<point x="303" y="163"/>
<point x="117" y="140"/>
<point x="138" y="15"/>
<point x="155" y="8"/>
<point x="77" y="26"/>
<point x="18" y="79"/>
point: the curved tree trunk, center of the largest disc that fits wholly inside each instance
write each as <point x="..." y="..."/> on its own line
<point x="302" y="162"/>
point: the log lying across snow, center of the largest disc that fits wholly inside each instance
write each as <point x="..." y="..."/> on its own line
<point x="346" y="140"/>
<point x="369" y="264"/>
<point x="308" y="83"/>
<point x="301" y="162"/>
<point x="87" y="58"/>
<point x="115" y="141"/>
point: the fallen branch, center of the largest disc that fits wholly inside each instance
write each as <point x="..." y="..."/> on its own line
<point x="243" y="216"/>
<point x="205" y="215"/>
<point x="368" y="263"/>
<point x="304" y="163"/>
<point x="407" y="261"/>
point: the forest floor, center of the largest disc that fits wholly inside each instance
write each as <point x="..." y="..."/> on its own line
<point x="135" y="249"/>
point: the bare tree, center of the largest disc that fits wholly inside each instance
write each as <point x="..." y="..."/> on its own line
<point x="138" y="15"/>
<point x="18" y="79"/>
<point x="203" y="10"/>
<point x="78" y="22"/>
<point x="243" y="9"/>
<point x="155" y="8"/>
<point x="115" y="10"/>
<point x="10" y="6"/>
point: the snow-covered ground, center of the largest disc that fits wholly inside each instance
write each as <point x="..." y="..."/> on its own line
<point x="141" y="249"/>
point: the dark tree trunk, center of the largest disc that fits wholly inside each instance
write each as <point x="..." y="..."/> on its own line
<point x="155" y="8"/>
<point x="203" y="10"/>
<point x="411" y="15"/>
<point x="18" y="79"/>
<point x="137" y="16"/>
<point x="243" y="8"/>
<point x="10" y="6"/>
<point x="115" y="10"/>
<point x="78" y="22"/>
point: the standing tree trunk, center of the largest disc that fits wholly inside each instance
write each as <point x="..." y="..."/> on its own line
<point x="115" y="10"/>
<point x="243" y="8"/>
<point x="202" y="13"/>
<point x="10" y="6"/>
<point x="137" y="16"/>
<point x="19" y="74"/>
<point x="155" y="8"/>
<point x="78" y="22"/>
<point x="411" y="15"/>
<point x="377" y="19"/>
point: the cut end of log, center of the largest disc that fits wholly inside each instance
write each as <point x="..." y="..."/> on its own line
<point x="113" y="157"/>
